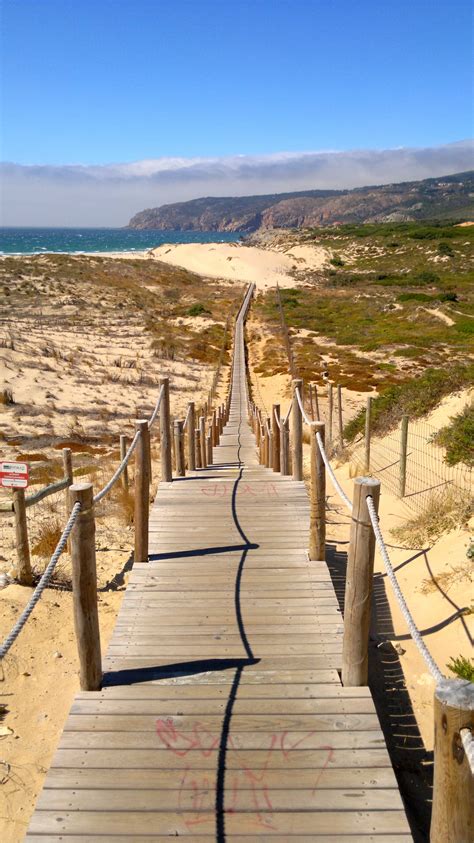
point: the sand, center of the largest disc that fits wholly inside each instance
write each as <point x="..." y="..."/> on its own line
<point x="40" y="676"/>
<point x="235" y="261"/>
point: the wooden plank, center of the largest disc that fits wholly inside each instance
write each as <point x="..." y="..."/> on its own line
<point x="222" y="714"/>
<point x="353" y="822"/>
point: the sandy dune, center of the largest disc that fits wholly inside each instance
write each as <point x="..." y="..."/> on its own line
<point x="235" y="261"/>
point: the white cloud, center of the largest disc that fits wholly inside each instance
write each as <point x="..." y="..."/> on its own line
<point x="109" y="194"/>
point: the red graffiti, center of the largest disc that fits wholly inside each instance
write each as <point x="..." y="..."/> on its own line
<point x="196" y="794"/>
<point x="222" y="490"/>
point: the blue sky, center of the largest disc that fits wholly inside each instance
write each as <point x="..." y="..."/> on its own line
<point x="99" y="81"/>
<point x="111" y="106"/>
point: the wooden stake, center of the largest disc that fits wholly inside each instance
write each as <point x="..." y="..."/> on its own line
<point x="165" y="432"/>
<point x="330" y="407"/>
<point x="84" y="588"/>
<point x="359" y="576"/>
<point x="316" y="403"/>
<point x="215" y="431"/>
<point x="179" y="447"/>
<point x="339" y="408"/>
<point x="452" y="816"/>
<point x="297" y="430"/>
<point x="67" y="465"/>
<point x="285" y="447"/>
<point x="24" y="575"/>
<point x="202" y="430"/>
<point x="276" y="462"/>
<point x="368" y="412"/>
<point x="209" y="447"/>
<point x="403" y="455"/>
<point x="317" y="513"/>
<point x="311" y="400"/>
<point x="123" y="450"/>
<point x="142" y="491"/>
<point x="269" y="451"/>
<point x="191" y="440"/>
<point x="197" y="441"/>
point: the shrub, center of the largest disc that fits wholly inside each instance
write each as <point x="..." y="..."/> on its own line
<point x="458" y="438"/>
<point x="197" y="310"/>
<point x="414" y="398"/>
<point x="444" y="512"/>
<point x="445" y="249"/>
<point x="336" y="261"/>
<point x="462" y="667"/>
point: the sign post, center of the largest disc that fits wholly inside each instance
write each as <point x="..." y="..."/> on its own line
<point x="14" y="475"/>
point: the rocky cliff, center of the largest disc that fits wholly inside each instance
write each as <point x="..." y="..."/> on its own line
<point x="446" y="196"/>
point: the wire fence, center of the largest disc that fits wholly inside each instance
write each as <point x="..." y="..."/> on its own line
<point x="427" y="475"/>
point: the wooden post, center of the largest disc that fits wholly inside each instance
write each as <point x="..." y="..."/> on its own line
<point x="215" y="432"/>
<point x="339" y="409"/>
<point x="297" y="450"/>
<point x="123" y="451"/>
<point x="269" y="453"/>
<point x="165" y="432"/>
<point x="191" y="440"/>
<point x="368" y="412"/>
<point x="330" y="405"/>
<point x="179" y="447"/>
<point x="311" y="400"/>
<point x="142" y="491"/>
<point x="285" y="447"/>
<point x="317" y="512"/>
<point x="84" y="587"/>
<point x="258" y="431"/>
<point x="276" y="462"/>
<point x="209" y="447"/>
<point x="403" y="455"/>
<point x="25" y="575"/>
<point x="359" y="576"/>
<point x="67" y="465"/>
<point x="197" y="441"/>
<point x="316" y="402"/>
<point x="202" y="432"/>
<point x="452" y="817"/>
<point x="262" y="445"/>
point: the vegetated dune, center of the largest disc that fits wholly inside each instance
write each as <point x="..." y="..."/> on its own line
<point x="83" y="344"/>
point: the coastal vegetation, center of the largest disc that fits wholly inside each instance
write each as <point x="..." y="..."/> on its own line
<point x="386" y="307"/>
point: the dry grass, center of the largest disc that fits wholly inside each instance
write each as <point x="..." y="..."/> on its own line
<point x="126" y="503"/>
<point x="49" y="534"/>
<point x="457" y="574"/>
<point x="444" y="512"/>
<point x="6" y="397"/>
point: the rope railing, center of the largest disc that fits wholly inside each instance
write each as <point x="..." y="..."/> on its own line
<point x="157" y="409"/>
<point x="119" y="471"/>
<point x="414" y="631"/>
<point x="13" y="635"/>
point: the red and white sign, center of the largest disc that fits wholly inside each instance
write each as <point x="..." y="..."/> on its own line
<point x="14" y="475"/>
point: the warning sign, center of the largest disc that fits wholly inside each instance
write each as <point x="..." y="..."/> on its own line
<point x="14" y="475"/>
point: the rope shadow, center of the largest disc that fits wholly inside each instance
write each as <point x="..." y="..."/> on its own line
<point x="152" y="673"/>
<point x="412" y="763"/>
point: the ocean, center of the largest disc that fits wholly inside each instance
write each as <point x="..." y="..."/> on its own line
<point x="29" y="241"/>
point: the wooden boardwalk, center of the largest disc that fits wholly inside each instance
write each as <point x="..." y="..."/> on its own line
<point x="222" y="715"/>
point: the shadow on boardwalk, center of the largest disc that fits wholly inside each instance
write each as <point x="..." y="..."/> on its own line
<point x="412" y="763"/>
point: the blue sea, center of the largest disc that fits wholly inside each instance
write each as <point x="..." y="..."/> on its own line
<point x="29" y="241"/>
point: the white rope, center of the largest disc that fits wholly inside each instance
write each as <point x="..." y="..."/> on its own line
<point x="340" y="491"/>
<point x="13" y="635"/>
<point x="276" y="417"/>
<point x="414" y="631"/>
<point x="303" y="412"/>
<point x="98" y="497"/>
<point x="157" y="408"/>
<point x="468" y="744"/>
<point x="288" y="413"/>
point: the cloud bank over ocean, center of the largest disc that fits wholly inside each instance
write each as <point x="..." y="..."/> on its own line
<point x="109" y="194"/>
